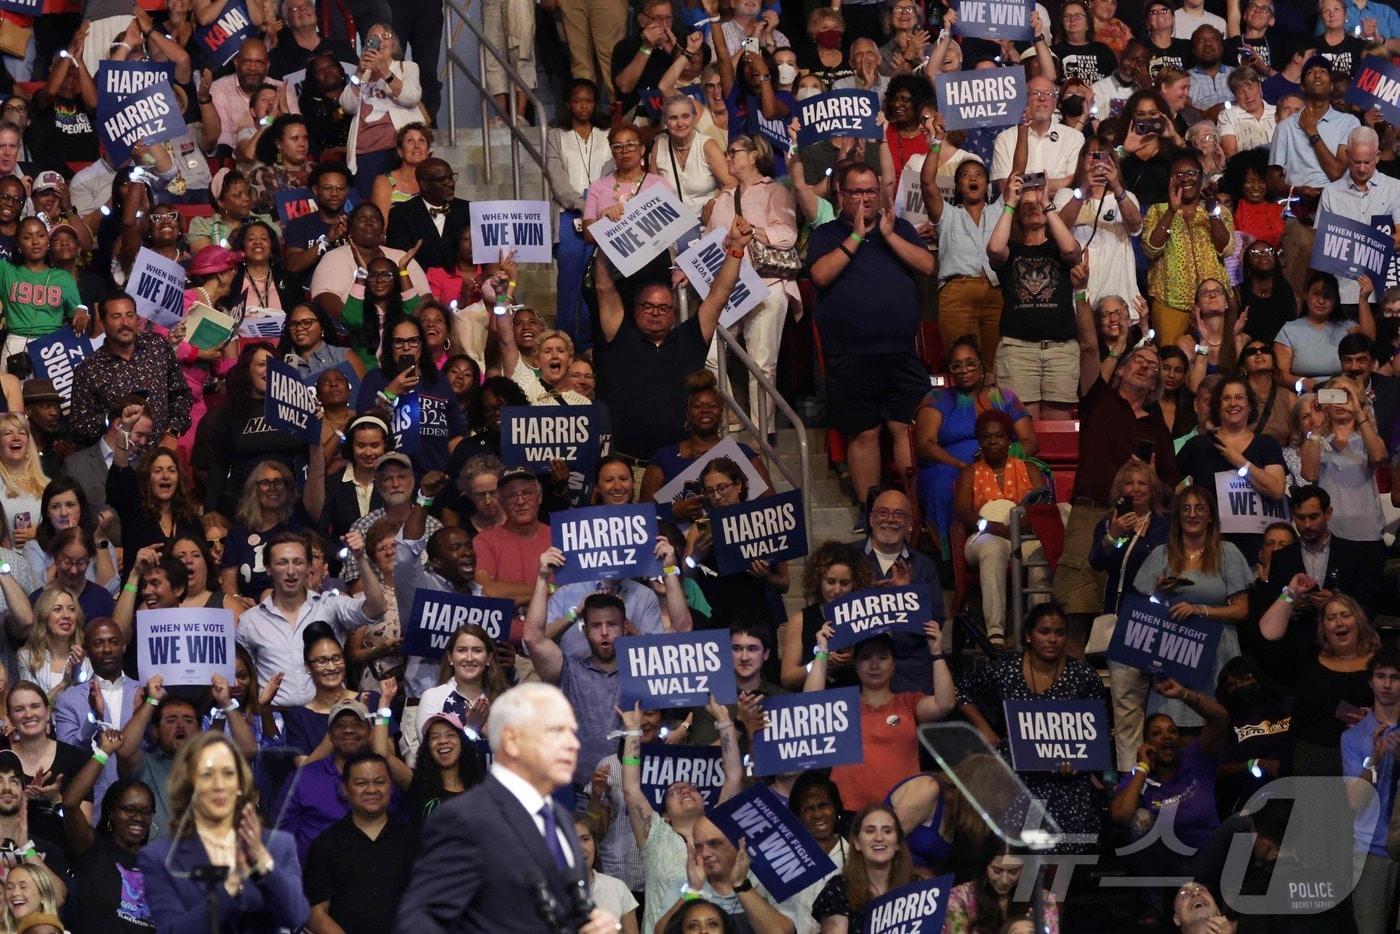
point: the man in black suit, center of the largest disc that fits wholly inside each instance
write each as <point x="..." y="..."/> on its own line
<point x="461" y="881"/>
<point x="433" y="216"/>
<point x="1339" y="565"/>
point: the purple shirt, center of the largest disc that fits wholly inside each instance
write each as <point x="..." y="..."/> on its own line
<point x="313" y="800"/>
<point x="1193" y="789"/>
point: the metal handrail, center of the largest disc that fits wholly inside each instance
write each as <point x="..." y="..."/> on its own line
<point x="803" y="481"/>
<point x="518" y="136"/>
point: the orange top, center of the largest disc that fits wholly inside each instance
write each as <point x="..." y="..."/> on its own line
<point x="889" y="739"/>
<point x="985" y="487"/>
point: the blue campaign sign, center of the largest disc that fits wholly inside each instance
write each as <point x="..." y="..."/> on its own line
<point x="838" y="113"/>
<point x="223" y="37"/>
<point x="23" y="7"/>
<point x="981" y="98"/>
<point x="664" y="765"/>
<point x="537" y="435"/>
<point x="916" y="908"/>
<point x="1345" y="247"/>
<point x="1148" y="639"/>
<point x="408" y="423"/>
<point x="116" y="80"/>
<point x="1385" y="226"/>
<point x="676" y="669"/>
<point x="1044" y="734"/>
<point x="995" y="19"/>
<point x="782" y="853"/>
<point x="771" y="528"/>
<point x="865" y="613"/>
<point x="1377" y="84"/>
<point x="809" y="731"/>
<point x="56" y="357"/>
<point x="605" y="542"/>
<point x="150" y="115"/>
<point x="437" y="614"/>
<point x="293" y="203"/>
<point x="290" y="404"/>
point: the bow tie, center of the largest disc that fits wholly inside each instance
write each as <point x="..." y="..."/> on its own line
<point x="437" y="212"/>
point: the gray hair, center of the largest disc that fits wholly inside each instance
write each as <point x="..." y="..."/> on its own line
<point x="1154" y="394"/>
<point x="479" y="464"/>
<point x="517" y="707"/>
<point x="686" y="99"/>
<point x="1240" y="77"/>
<point x="1363" y="135"/>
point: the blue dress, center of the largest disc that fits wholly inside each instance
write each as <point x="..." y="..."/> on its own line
<point x="955" y="435"/>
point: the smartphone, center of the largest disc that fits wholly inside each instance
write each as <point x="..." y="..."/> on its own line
<point x="1175" y="583"/>
<point x="1145" y="451"/>
<point x="23" y="521"/>
<point x="1331" y="397"/>
<point x="1348" y="713"/>
<point x="1246" y="52"/>
<point x="702" y="525"/>
<point x="750" y="44"/>
<point x="1122" y="506"/>
<point x="1098" y="155"/>
<point x="374" y="41"/>
<point x="1033" y="180"/>
<point x="1150" y="127"/>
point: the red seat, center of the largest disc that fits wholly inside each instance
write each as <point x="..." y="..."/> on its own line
<point x="1059" y="448"/>
<point x="190" y="211"/>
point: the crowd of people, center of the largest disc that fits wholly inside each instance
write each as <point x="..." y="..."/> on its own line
<point x="1133" y="251"/>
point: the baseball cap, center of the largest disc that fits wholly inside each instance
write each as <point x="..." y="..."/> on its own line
<point x="1317" y="61"/>
<point x="393" y="457"/>
<point x="353" y="706"/>
<point x="47" y="181"/>
<point x="10" y="762"/>
<point x="518" y="473"/>
<point x="451" y="719"/>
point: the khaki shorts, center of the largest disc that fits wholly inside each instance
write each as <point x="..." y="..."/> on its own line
<point x="1078" y="587"/>
<point x="1039" y="371"/>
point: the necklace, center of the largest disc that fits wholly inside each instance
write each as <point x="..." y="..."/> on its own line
<point x="204" y="295"/>
<point x="1194" y="555"/>
<point x="1035" y="682"/>
<point x="261" y="296"/>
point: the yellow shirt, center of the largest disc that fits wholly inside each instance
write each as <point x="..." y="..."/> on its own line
<point x="1187" y="258"/>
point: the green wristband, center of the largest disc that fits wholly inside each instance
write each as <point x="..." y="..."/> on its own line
<point x="632" y="760"/>
<point x="856" y="237"/>
<point x="1008" y="209"/>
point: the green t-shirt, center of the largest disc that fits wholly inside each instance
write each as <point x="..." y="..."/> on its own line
<point x="37" y="303"/>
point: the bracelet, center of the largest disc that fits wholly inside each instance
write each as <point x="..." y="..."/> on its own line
<point x="232" y="706"/>
<point x="571" y="614"/>
<point x="100" y="757"/>
<point x="737" y="254"/>
<point x="936" y="148"/>
<point x="422" y="500"/>
<point x="1286" y="595"/>
<point x="387" y="396"/>
<point x="1082" y="295"/>
<point x="152" y="701"/>
<point x="688" y="894"/>
<point x="645" y="51"/>
<point x="823" y="654"/>
<point x="129" y="587"/>
<point x="631" y="760"/>
<point x="404" y="273"/>
<point x="124" y="45"/>
<point x="671" y="570"/>
<point x="714" y="19"/>
<point x="858" y="238"/>
<point x="1008" y="209"/>
<point x="205" y="101"/>
<point x="1142" y="767"/>
<point x="940" y="657"/>
<point x="842" y="247"/>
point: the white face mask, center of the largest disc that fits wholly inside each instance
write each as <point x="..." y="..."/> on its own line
<point x="805" y="93"/>
<point x="787" y="74"/>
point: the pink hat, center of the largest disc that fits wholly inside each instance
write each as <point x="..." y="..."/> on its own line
<point x="214" y="259"/>
<point x="445" y="716"/>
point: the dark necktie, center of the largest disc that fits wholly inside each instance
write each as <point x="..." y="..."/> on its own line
<point x="551" y="836"/>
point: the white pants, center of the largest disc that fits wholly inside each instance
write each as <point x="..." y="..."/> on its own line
<point x="991" y="555"/>
<point x="761" y="330"/>
<point x="494" y="15"/>
<point x="1129" y="688"/>
<point x="101" y="34"/>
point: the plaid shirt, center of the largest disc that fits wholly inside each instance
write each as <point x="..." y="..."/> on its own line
<point x="104" y="378"/>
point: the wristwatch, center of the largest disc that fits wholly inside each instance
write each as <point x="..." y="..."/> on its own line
<point x="743" y="887"/>
<point x="1314" y="139"/>
<point x="1202" y="350"/>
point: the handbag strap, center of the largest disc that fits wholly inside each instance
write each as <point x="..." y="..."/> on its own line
<point x="1123" y="568"/>
<point x="671" y="151"/>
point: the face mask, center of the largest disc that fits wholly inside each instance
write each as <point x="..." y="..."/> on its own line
<point x="829" y="38"/>
<point x="787" y="74"/>
<point x="1072" y="107"/>
<point x="805" y="93"/>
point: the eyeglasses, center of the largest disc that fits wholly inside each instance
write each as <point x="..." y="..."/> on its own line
<point x="131" y="810"/>
<point x="214" y="542"/>
<point x="484" y="494"/>
<point x="1253" y="351"/>
<point x="275" y="483"/>
<point x="301" y="324"/>
<point x="157" y="216"/>
<point x="1187" y="173"/>
<point x="519" y="496"/>
<point x="1044" y="95"/>
<point x="17" y="108"/>
<point x="881" y="514"/>
<point x="861" y="192"/>
<point x="1150" y="366"/>
<point x="1194" y="509"/>
<point x="735" y="150"/>
<point x="625" y="147"/>
<point x="405" y="341"/>
<point x="386" y="274"/>
<point x="719" y="489"/>
<point x="652" y="308"/>
<point x="12" y="199"/>
<point x="327" y="661"/>
<point x="1210" y="293"/>
<point x="906" y="9"/>
<point x="75" y="563"/>
<point x="1261" y="249"/>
